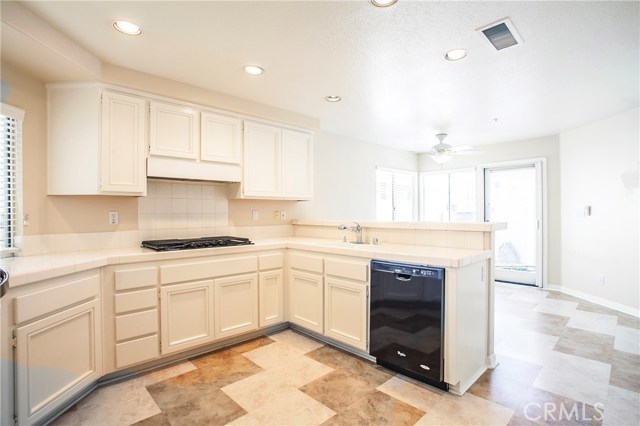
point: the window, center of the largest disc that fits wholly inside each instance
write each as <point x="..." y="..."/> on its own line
<point x="11" y="125"/>
<point x="448" y="196"/>
<point x="396" y="195"/>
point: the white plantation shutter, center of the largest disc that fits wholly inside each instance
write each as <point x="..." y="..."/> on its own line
<point x="396" y="195"/>
<point x="11" y="125"/>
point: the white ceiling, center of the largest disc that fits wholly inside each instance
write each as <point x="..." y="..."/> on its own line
<point x="579" y="61"/>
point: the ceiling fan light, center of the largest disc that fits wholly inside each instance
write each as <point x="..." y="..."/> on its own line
<point x="441" y="158"/>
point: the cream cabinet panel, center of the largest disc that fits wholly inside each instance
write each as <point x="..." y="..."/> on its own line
<point x="56" y="357"/>
<point x="262" y="160"/>
<point x="236" y="305"/>
<point x="271" y="293"/>
<point x="123" y="143"/>
<point x="174" y="131"/>
<point x="297" y="165"/>
<point x="136" y="351"/>
<point x="96" y="141"/>
<point x="305" y="300"/>
<point x="186" y="315"/>
<point x="345" y="316"/>
<point x="221" y="138"/>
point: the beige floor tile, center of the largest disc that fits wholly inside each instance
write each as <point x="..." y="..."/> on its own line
<point x="365" y="370"/>
<point x="119" y="404"/>
<point x="556" y="307"/>
<point x="575" y="377"/>
<point x="324" y="389"/>
<point x="70" y="418"/>
<point x="297" y="341"/>
<point x="273" y="356"/>
<point x="622" y="407"/>
<point x="406" y="390"/>
<point x="527" y="346"/>
<point x="377" y="409"/>
<point x="627" y="340"/>
<point x="591" y="321"/>
<point x="625" y="371"/>
<point x="466" y="410"/>
<point x="265" y="388"/>
<point x="291" y="408"/>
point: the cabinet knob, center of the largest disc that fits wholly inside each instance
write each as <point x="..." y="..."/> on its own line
<point x="401" y="353"/>
<point x="424" y="367"/>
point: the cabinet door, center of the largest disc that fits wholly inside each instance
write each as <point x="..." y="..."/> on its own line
<point x="271" y="298"/>
<point x="261" y="160"/>
<point x="236" y="305"/>
<point x="175" y="131"/>
<point x="123" y="144"/>
<point x="186" y="315"/>
<point x="56" y="357"/>
<point x="297" y="165"/>
<point x="305" y="300"/>
<point x="345" y="316"/>
<point x="220" y="138"/>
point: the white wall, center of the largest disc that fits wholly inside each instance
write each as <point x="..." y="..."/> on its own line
<point x="547" y="147"/>
<point x="599" y="168"/>
<point x="344" y="177"/>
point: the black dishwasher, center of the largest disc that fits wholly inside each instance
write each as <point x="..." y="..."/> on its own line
<point x="407" y="320"/>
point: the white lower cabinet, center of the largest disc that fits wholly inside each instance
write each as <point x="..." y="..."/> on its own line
<point x="236" y="305"/>
<point x="305" y="300"/>
<point x="271" y="289"/>
<point x="56" y="357"/>
<point x="345" y="315"/>
<point x="187" y="315"/>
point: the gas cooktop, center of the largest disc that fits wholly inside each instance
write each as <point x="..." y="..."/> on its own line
<point x="195" y="243"/>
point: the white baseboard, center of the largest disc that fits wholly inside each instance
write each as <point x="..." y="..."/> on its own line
<point x="594" y="299"/>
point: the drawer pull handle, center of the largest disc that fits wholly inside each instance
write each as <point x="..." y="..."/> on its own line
<point x="401" y="353"/>
<point x="424" y="367"/>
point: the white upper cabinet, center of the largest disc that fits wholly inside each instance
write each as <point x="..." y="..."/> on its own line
<point x="297" y="164"/>
<point x="123" y="143"/>
<point x="220" y="138"/>
<point x="278" y="163"/>
<point x="262" y="160"/>
<point x="96" y="142"/>
<point x="174" y="131"/>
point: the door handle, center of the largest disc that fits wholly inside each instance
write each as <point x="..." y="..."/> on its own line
<point x="402" y="354"/>
<point x="424" y="367"/>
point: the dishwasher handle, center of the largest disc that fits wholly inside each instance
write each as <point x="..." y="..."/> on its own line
<point x="403" y="277"/>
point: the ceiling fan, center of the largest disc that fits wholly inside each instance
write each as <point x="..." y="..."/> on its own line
<point x="442" y="152"/>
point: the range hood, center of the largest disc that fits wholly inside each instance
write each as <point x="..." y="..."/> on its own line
<point x="175" y="168"/>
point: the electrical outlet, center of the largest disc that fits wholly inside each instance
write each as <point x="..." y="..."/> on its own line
<point x="600" y="279"/>
<point x="254" y="214"/>
<point x="283" y="215"/>
<point x="113" y="218"/>
<point x="276" y="215"/>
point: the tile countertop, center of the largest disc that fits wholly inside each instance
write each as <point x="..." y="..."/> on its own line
<point x="30" y="269"/>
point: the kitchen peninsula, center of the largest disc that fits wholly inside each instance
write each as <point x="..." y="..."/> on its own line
<point x="119" y="311"/>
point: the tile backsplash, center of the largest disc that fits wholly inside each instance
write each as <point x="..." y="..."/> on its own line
<point x="177" y="209"/>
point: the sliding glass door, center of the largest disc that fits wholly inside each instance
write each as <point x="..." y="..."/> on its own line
<point x="513" y="194"/>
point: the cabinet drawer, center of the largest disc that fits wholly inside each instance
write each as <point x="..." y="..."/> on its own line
<point x="270" y="261"/>
<point x="34" y="305"/>
<point x="213" y="268"/>
<point x="136" y="300"/>
<point x="350" y="269"/>
<point x="136" y="351"/>
<point x="136" y="278"/>
<point x="138" y="324"/>
<point x="306" y="262"/>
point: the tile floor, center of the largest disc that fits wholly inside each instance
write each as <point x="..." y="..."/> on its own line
<point x="563" y="361"/>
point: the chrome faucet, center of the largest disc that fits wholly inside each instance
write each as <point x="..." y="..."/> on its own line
<point x="356" y="229"/>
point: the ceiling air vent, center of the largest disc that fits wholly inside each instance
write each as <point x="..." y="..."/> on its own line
<point x="501" y="34"/>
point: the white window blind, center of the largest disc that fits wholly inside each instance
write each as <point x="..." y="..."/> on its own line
<point x="11" y="125"/>
<point x="396" y="195"/>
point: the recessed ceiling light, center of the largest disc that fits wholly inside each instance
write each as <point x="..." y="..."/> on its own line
<point x="455" y="54"/>
<point x="332" y="98"/>
<point x="252" y="70"/>
<point x="383" y="3"/>
<point x="127" y="27"/>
